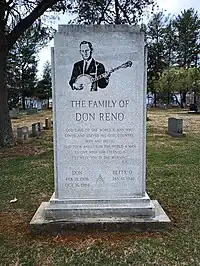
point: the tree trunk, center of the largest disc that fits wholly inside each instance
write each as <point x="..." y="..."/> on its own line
<point x="195" y="98"/>
<point x="184" y="98"/>
<point x="177" y="101"/>
<point x="181" y="95"/>
<point x="117" y="20"/>
<point x="155" y="99"/>
<point x="23" y="101"/>
<point x="6" y="135"/>
<point x="168" y="98"/>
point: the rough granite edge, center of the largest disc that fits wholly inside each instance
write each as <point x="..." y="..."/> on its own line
<point x="62" y="28"/>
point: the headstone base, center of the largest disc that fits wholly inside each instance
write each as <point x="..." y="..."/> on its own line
<point x="176" y="135"/>
<point x="50" y="218"/>
<point x="31" y="111"/>
<point x="193" y="112"/>
<point x="60" y="209"/>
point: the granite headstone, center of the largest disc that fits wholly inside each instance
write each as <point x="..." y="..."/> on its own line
<point x="99" y="82"/>
<point x="175" y="127"/>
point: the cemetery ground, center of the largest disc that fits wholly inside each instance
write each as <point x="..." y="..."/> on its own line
<point x="173" y="178"/>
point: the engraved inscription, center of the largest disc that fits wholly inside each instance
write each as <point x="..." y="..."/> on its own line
<point x="122" y="175"/>
<point x="77" y="179"/>
<point x="101" y="144"/>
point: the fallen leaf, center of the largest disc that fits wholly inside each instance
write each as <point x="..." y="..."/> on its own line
<point x="14" y="200"/>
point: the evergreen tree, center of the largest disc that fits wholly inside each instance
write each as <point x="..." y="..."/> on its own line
<point x="170" y="43"/>
<point x="13" y="79"/>
<point x="187" y="28"/>
<point x="28" y="76"/>
<point x="44" y="85"/>
<point x="155" y="34"/>
<point x="22" y="58"/>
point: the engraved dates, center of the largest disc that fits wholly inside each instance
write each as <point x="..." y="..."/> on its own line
<point x="122" y="175"/>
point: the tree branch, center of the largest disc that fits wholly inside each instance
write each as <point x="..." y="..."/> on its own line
<point x="9" y="2"/>
<point x="117" y="15"/>
<point x="103" y="13"/>
<point x="5" y="7"/>
<point x="25" y="23"/>
<point x="125" y="14"/>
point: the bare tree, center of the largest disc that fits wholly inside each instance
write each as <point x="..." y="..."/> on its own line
<point x="15" y="18"/>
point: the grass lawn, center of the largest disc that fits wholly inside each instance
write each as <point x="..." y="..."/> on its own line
<point x="173" y="178"/>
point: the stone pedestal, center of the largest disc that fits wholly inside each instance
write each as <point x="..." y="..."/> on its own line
<point x="135" y="207"/>
<point x="41" y="225"/>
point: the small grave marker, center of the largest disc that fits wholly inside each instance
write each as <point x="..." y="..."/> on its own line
<point x="47" y="124"/>
<point x="14" y="113"/>
<point x="36" y="129"/>
<point x="193" y="109"/>
<point x="22" y="133"/>
<point x="175" y="127"/>
<point x="39" y="127"/>
<point x="31" y="111"/>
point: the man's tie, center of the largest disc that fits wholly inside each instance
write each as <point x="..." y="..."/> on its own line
<point x="85" y="68"/>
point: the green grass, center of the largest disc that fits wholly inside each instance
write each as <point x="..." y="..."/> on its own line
<point x="173" y="178"/>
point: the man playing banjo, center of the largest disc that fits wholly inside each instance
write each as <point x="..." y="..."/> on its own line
<point x="88" y="73"/>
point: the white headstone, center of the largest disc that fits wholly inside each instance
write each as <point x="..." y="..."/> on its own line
<point x="99" y="139"/>
<point x="99" y="105"/>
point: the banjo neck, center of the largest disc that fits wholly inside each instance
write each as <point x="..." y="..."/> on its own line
<point x="125" y="65"/>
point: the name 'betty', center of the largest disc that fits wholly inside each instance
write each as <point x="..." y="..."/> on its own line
<point x="100" y="103"/>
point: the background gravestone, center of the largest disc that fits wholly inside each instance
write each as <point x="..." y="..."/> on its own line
<point x="36" y="129"/>
<point x="22" y="133"/>
<point x="99" y="132"/>
<point x="14" y="113"/>
<point x="32" y="110"/>
<point x="175" y="127"/>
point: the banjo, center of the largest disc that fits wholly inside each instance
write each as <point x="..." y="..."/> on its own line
<point x="85" y="81"/>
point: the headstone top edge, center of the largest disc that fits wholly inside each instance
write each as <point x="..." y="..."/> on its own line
<point x="64" y="28"/>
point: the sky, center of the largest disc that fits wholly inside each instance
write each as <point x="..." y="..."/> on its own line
<point x="169" y="6"/>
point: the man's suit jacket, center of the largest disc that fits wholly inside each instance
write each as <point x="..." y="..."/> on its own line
<point x="95" y="68"/>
